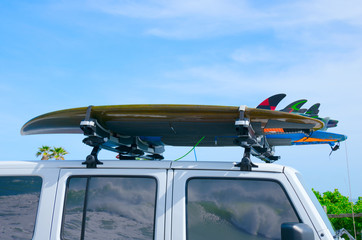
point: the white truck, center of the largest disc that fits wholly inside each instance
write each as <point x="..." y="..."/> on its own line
<point x="167" y="200"/>
<point x="160" y="200"/>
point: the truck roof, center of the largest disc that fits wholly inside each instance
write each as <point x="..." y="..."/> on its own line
<point x="139" y="164"/>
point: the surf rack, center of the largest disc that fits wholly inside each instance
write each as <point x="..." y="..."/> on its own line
<point x="252" y="143"/>
<point x="141" y="131"/>
<point x="127" y="147"/>
<point x="133" y="147"/>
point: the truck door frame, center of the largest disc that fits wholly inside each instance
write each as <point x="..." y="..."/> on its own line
<point x="179" y="197"/>
<point x="158" y="174"/>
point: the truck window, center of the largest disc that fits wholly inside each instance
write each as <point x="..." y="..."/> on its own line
<point x="109" y="208"/>
<point x="221" y="208"/>
<point x="19" y="198"/>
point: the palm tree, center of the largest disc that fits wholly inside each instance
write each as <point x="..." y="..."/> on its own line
<point x="44" y="151"/>
<point x="58" y="153"/>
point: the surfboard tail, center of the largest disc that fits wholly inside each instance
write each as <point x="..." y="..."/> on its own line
<point x="271" y="102"/>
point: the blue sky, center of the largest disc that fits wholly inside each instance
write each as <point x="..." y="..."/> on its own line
<point x="64" y="54"/>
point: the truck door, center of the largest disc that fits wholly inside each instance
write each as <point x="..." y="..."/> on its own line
<point x="231" y="205"/>
<point x="110" y="204"/>
<point x="27" y="194"/>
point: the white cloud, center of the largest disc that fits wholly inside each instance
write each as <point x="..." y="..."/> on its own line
<point x="173" y="8"/>
<point x="336" y="10"/>
<point x="299" y="11"/>
<point x="333" y="80"/>
<point x="190" y="19"/>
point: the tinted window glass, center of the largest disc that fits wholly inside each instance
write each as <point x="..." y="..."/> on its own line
<point x="236" y="209"/>
<point x="73" y="212"/>
<point x="115" y="207"/>
<point x="19" y="198"/>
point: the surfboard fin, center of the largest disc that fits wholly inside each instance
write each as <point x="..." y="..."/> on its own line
<point x="313" y="110"/>
<point x="271" y="102"/>
<point x="332" y="123"/>
<point x="294" y="106"/>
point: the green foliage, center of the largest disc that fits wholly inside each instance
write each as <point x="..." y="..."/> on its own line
<point x="336" y="203"/>
<point x="44" y="152"/>
<point x="58" y="153"/>
<point x="47" y="153"/>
